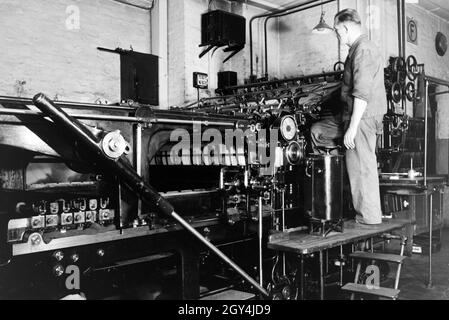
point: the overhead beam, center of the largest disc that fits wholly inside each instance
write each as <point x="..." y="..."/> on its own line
<point x="142" y="4"/>
<point x="263" y="4"/>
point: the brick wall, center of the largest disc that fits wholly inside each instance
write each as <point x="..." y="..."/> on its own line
<point x="176" y="52"/>
<point x="39" y="48"/>
<point x="48" y="57"/>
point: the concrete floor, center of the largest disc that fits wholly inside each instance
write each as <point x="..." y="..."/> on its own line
<point x="415" y="275"/>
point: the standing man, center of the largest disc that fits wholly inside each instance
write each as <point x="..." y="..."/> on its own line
<point x="364" y="97"/>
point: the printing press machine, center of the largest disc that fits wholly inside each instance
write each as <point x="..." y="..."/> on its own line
<point x="96" y="187"/>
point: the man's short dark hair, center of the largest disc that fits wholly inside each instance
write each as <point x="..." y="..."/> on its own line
<point x="348" y="15"/>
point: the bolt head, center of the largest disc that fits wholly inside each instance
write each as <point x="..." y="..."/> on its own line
<point x="58" y="270"/>
<point x="58" y="255"/>
<point x="35" y="239"/>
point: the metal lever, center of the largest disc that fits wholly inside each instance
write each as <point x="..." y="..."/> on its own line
<point x="93" y="149"/>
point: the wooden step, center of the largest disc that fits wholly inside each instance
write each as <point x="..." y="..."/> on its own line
<point x="380" y="292"/>
<point x="378" y="256"/>
<point x="229" y="295"/>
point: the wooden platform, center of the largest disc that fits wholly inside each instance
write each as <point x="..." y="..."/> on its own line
<point x="304" y="244"/>
<point x="230" y="295"/>
<point x="380" y="292"/>
<point x="404" y="182"/>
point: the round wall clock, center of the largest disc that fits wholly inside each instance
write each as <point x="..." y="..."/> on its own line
<point x="441" y="44"/>
<point x="412" y="30"/>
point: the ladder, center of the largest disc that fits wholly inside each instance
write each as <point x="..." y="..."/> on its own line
<point x="358" y="288"/>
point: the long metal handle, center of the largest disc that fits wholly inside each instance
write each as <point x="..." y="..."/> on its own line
<point x="89" y="143"/>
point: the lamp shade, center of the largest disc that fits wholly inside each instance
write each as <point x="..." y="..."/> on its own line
<point x="322" y="27"/>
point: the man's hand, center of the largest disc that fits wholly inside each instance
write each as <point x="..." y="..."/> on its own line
<point x="357" y="114"/>
<point x="350" y="138"/>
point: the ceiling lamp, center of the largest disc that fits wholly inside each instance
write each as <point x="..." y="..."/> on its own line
<point x="322" y="27"/>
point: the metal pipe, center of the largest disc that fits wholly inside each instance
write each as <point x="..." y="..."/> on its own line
<point x="125" y="2"/>
<point x="138" y="156"/>
<point x="338" y="38"/>
<point x="438" y="93"/>
<point x="263" y="16"/>
<point x="204" y="123"/>
<point x="404" y="102"/>
<point x="138" y="161"/>
<point x="64" y="104"/>
<point x="283" y="210"/>
<point x="20" y="112"/>
<point x="302" y="278"/>
<point x="321" y="276"/>
<point x="62" y="119"/>
<point x="398" y="6"/>
<point x="404" y="53"/>
<point x="89" y="144"/>
<point x="426" y="131"/>
<point x="398" y="271"/>
<point x="437" y="81"/>
<point x="341" y="266"/>
<point x="265" y="33"/>
<point x="282" y="15"/>
<point x="430" y="284"/>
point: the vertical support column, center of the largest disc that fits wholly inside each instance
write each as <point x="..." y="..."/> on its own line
<point x="429" y="204"/>
<point x="188" y="269"/>
<point x="341" y="266"/>
<point x="426" y="130"/>
<point x="302" y="277"/>
<point x="399" y="13"/>
<point x="5" y="248"/>
<point x="138" y="159"/>
<point x="284" y="226"/>
<point x="163" y="54"/>
<point x="403" y="28"/>
<point x="352" y="259"/>
<point x="441" y="213"/>
<point x="321" y="276"/>
<point x="338" y="39"/>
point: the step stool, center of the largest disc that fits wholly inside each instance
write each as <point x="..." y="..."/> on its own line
<point x="390" y="293"/>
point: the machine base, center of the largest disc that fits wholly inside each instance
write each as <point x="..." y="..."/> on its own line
<point x="324" y="227"/>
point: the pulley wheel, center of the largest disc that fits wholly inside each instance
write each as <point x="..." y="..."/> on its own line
<point x="396" y="92"/>
<point x="412" y="68"/>
<point x="339" y="66"/>
<point x="410" y="92"/>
